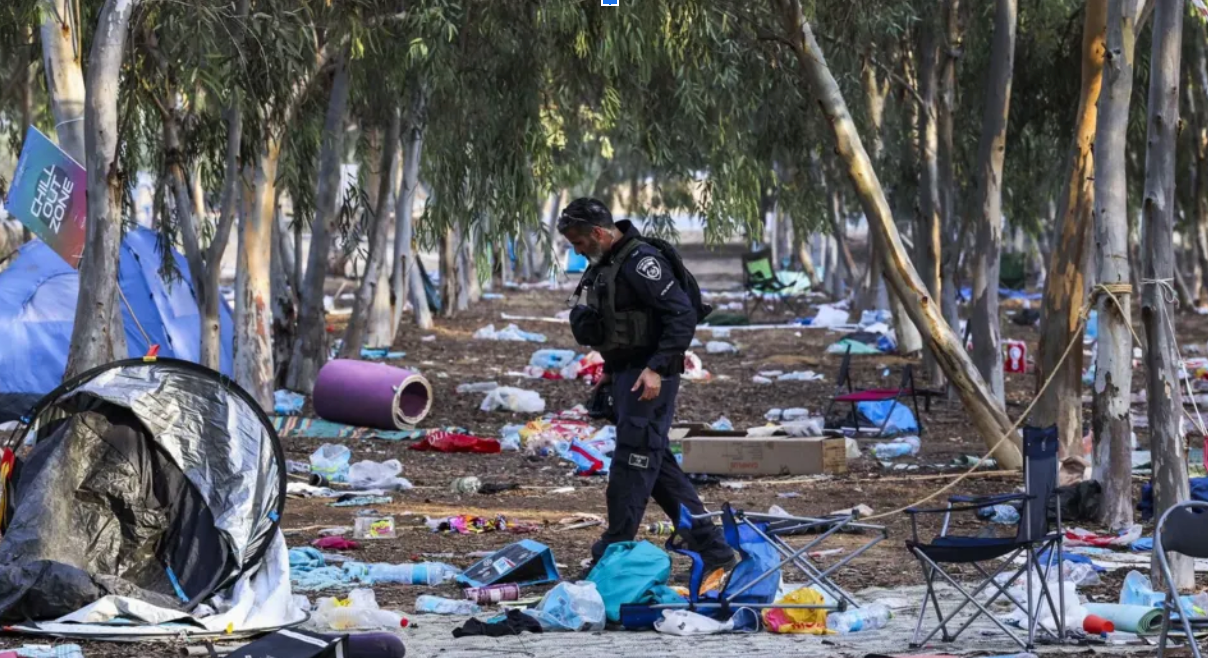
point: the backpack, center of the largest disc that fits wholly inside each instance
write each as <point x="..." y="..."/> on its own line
<point x="682" y="275"/>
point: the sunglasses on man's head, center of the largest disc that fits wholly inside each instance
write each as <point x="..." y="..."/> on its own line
<point x="566" y="221"/>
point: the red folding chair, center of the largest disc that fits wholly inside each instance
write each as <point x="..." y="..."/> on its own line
<point x="846" y="392"/>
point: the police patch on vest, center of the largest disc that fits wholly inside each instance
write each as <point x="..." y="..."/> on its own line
<point x="639" y="461"/>
<point x="650" y="268"/>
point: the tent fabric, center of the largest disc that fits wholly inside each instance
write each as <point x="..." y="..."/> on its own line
<point x="162" y="481"/>
<point x="38" y="293"/>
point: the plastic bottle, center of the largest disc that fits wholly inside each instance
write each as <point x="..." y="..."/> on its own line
<point x="899" y="447"/>
<point x="552" y="359"/>
<point x="774" y="414"/>
<point x="423" y="573"/>
<point x="796" y="413"/>
<point x="477" y="387"/>
<point x="660" y="529"/>
<point x="722" y="424"/>
<point x="867" y="618"/>
<point x="1004" y="514"/>
<point x="720" y="347"/>
<point x="438" y="605"/>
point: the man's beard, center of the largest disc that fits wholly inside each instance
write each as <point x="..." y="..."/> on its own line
<point x="594" y="255"/>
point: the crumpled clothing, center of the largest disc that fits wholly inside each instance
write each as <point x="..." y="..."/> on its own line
<point x="1081" y="537"/>
<point x="362" y="501"/>
<point x="806" y="621"/>
<point x="514" y="623"/>
<point x="335" y="544"/>
<point x="305" y="559"/>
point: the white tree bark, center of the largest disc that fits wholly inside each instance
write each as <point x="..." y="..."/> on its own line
<point x="987" y="352"/>
<point x="407" y="281"/>
<point x="987" y="415"/>
<point x="310" y="346"/>
<point x="1165" y="400"/>
<point x="62" y="58"/>
<point x="98" y="335"/>
<point x="253" y="281"/>
<point x="1113" y="364"/>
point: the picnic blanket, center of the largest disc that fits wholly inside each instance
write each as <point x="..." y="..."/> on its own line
<point x="317" y="428"/>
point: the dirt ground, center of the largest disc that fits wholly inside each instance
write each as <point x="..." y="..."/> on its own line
<point x="454" y="358"/>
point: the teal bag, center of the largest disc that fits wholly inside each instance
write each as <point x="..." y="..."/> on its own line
<point x="627" y="573"/>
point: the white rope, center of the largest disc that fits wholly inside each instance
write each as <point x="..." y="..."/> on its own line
<point x="64" y="123"/>
<point x="1169" y="296"/>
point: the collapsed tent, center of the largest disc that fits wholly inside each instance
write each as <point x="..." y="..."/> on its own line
<point x="38" y="294"/>
<point x="159" y="481"/>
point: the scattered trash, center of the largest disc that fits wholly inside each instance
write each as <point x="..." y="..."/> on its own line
<point x="861" y="510"/>
<point x="774" y="414"/>
<point x="381" y="353"/>
<point x="570" y="607"/>
<point x="362" y="501"/>
<point x="374" y="528"/>
<point x="722" y="424"/>
<point x="493" y="594"/>
<point x="562" y="490"/>
<point x="808" y="621"/>
<point x="510" y="332"/>
<point x="899" y="447"/>
<point x="335" y="544"/>
<point x="866" y="618"/>
<point x="468" y="524"/>
<point x="758" y="379"/>
<point x="465" y="485"/>
<point x="552" y="359"/>
<point x="686" y="623"/>
<point x="514" y="622"/>
<point x="478" y="387"/>
<point x="518" y="400"/>
<point x="660" y="528"/>
<point x="359" y="611"/>
<point x="44" y="651"/>
<point x="1082" y="537"/>
<point x="446" y="441"/>
<point x="373" y="475"/>
<point x="420" y="573"/>
<point x="287" y="403"/>
<point x="438" y="605"/>
<point x="694" y="369"/>
<point x="525" y="562"/>
<point x="830" y="316"/>
<point x="331" y="461"/>
<point x="800" y="376"/>
<point x="428" y="339"/>
<point x="720" y="347"/>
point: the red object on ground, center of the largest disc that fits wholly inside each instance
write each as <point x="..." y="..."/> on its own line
<point x="1015" y="356"/>
<point x="442" y="441"/>
<point x="335" y="544"/>
<point x="1097" y="625"/>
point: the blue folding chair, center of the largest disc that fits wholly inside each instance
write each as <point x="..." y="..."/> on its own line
<point x="1032" y="538"/>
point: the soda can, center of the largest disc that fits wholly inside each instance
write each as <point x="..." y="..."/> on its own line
<point x="493" y="594"/>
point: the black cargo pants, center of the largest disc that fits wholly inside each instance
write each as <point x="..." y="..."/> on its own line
<point x="644" y="467"/>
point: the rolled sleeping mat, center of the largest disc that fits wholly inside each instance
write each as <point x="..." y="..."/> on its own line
<point x="369" y="394"/>
<point x="1139" y="619"/>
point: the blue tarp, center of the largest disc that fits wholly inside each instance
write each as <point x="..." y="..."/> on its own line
<point x="38" y="295"/>
<point x="901" y="419"/>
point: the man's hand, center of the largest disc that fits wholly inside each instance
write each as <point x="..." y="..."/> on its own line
<point x="651" y="384"/>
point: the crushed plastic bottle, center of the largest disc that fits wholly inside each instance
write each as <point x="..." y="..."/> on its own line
<point x="722" y="424"/>
<point x="867" y="618"/>
<point x="552" y="359"/>
<point x="374" y="475"/>
<point x="421" y="573"/>
<point x="438" y="605"/>
<point x="1002" y="514"/>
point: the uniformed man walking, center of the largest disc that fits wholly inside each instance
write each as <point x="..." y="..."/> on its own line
<point x="632" y="309"/>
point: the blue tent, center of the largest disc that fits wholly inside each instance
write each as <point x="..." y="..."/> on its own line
<point x="38" y="294"/>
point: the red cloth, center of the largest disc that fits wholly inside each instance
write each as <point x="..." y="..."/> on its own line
<point x="442" y="441"/>
<point x="335" y="544"/>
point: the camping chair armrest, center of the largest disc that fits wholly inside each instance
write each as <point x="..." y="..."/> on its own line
<point x="969" y="508"/>
<point x="989" y="500"/>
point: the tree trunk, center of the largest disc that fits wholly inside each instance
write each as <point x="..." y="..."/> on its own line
<point x="1061" y="403"/>
<point x="354" y="335"/>
<point x="987" y="353"/>
<point x="1199" y="101"/>
<point x="62" y="57"/>
<point x="310" y="345"/>
<point x="448" y="273"/>
<point x="928" y="240"/>
<point x="1113" y="363"/>
<point x="984" y="411"/>
<point x="407" y="281"/>
<point x="98" y="334"/>
<point x="253" y="281"/>
<point x="1165" y="399"/>
<point x="284" y="297"/>
<point x="954" y="29"/>
<point x="381" y="315"/>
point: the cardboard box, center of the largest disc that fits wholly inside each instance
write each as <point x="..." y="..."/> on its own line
<point x="764" y="456"/>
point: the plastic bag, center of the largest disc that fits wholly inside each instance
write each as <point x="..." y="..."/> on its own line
<point x="373" y="475"/>
<point x="570" y="607"/>
<point x="685" y="623"/>
<point x="359" y="611"/>
<point x="518" y="400"/>
<point x="331" y="461"/>
<point x="809" y="621"/>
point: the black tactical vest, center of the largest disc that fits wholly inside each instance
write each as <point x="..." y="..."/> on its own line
<point x="595" y="320"/>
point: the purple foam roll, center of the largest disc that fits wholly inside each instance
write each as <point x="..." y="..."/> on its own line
<point x="371" y="394"/>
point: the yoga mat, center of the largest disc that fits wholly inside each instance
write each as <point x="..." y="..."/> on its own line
<point x="1139" y="619"/>
<point x="371" y="395"/>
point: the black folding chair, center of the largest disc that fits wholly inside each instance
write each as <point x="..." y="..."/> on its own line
<point x="763" y="284"/>
<point x="846" y="392"/>
<point x="1182" y="529"/>
<point x="1032" y="538"/>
